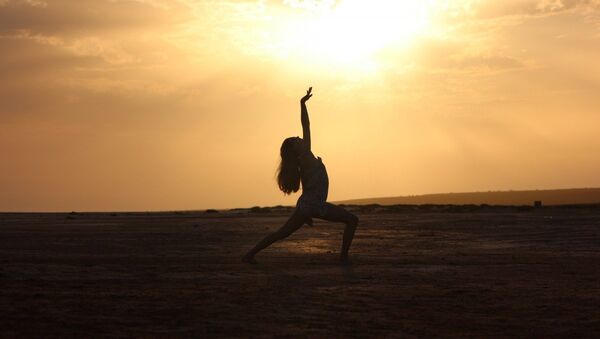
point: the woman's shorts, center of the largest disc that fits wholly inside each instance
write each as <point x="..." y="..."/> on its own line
<point x="311" y="206"/>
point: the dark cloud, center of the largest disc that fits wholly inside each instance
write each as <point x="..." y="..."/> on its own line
<point x="72" y="18"/>
<point x="26" y="59"/>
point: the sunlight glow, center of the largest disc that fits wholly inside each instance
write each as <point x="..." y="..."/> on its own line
<point x="353" y="31"/>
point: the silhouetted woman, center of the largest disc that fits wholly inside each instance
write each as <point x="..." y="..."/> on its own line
<point x="299" y="165"/>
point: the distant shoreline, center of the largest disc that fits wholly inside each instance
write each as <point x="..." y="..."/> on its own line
<point x="571" y="196"/>
<point x="553" y="197"/>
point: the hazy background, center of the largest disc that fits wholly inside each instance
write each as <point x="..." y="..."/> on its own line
<point x="157" y="105"/>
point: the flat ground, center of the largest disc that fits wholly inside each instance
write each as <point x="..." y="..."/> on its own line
<point x="424" y="273"/>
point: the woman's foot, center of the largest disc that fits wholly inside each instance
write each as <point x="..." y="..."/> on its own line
<point x="248" y="259"/>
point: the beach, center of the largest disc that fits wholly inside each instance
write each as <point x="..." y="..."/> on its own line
<point x="414" y="272"/>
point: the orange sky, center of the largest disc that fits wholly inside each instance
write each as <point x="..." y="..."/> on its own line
<point x="162" y="105"/>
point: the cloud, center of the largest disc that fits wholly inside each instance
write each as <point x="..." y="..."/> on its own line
<point x="310" y="4"/>
<point x="436" y="55"/>
<point x="72" y="18"/>
<point x="481" y="17"/>
<point x="33" y="3"/>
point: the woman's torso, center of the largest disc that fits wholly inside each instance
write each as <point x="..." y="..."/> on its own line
<point x="313" y="175"/>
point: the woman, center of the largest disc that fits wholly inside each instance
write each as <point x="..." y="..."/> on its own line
<point x="299" y="165"/>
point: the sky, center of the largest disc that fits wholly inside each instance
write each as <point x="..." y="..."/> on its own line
<point x="178" y="104"/>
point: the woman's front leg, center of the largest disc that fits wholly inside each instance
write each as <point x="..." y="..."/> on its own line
<point x="336" y="213"/>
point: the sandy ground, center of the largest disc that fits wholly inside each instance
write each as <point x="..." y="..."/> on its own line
<point x="413" y="274"/>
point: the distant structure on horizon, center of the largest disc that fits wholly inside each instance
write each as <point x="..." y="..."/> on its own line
<point x="538" y="197"/>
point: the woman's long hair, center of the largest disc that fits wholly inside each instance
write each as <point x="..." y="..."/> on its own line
<point x="288" y="173"/>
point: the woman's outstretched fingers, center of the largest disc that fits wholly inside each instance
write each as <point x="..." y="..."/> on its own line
<point x="307" y="96"/>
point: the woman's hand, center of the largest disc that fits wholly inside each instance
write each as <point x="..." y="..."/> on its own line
<point x="307" y="96"/>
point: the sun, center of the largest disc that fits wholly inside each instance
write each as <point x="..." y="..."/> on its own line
<point x="353" y="31"/>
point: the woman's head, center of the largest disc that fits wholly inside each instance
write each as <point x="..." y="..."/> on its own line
<point x="288" y="176"/>
<point x="295" y="144"/>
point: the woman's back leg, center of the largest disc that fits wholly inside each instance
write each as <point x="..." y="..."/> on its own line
<point x="292" y="225"/>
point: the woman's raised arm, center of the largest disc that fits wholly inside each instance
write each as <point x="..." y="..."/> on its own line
<point x="304" y="118"/>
